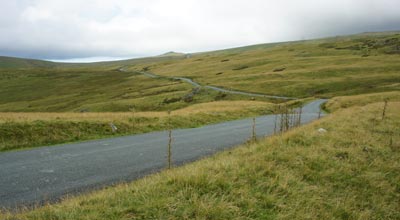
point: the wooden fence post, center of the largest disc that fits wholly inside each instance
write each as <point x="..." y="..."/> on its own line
<point x="169" y="141"/>
<point x="384" y="109"/>
<point x="254" y="135"/>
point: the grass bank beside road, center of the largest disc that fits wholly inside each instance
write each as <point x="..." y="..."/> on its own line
<point x="361" y="100"/>
<point x="23" y="130"/>
<point x="351" y="171"/>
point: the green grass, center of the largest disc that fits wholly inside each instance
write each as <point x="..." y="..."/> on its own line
<point x="350" y="172"/>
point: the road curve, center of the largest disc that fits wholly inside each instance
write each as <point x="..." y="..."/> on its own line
<point x="248" y="93"/>
<point x="46" y="174"/>
<point x="219" y="89"/>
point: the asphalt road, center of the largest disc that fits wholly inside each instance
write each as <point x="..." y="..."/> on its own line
<point x="46" y="174"/>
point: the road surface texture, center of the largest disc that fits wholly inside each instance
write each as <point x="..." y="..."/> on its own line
<point x="219" y="89"/>
<point x="44" y="174"/>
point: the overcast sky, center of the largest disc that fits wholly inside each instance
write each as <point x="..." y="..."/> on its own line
<point x="87" y="30"/>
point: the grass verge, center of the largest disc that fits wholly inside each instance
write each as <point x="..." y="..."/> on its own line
<point x="23" y="130"/>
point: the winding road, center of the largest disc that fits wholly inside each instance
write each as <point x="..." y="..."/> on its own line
<point x="219" y="89"/>
<point x="45" y="174"/>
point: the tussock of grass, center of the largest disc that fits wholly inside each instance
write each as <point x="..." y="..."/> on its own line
<point x="350" y="172"/>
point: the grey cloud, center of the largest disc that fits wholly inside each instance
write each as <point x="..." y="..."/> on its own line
<point x="56" y="29"/>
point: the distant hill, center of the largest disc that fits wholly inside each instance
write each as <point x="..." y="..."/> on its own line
<point x="171" y="53"/>
<point x="13" y="62"/>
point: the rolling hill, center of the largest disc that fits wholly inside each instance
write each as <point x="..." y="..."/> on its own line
<point x="324" y="68"/>
<point x="14" y="63"/>
<point x="329" y="67"/>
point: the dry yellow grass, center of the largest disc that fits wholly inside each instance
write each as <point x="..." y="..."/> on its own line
<point x="210" y="107"/>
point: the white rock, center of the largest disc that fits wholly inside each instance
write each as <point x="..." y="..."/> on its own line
<point x="113" y="127"/>
<point x="321" y="130"/>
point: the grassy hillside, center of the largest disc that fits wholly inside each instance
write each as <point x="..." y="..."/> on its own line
<point x="40" y="86"/>
<point x="46" y="90"/>
<point x="96" y="89"/>
<point x="350" y="172"/>
<point x="322" y="68"/>
<point x="325" y="68"/>
<point x="80" y="90"/>
<point x="13" y="62"/>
